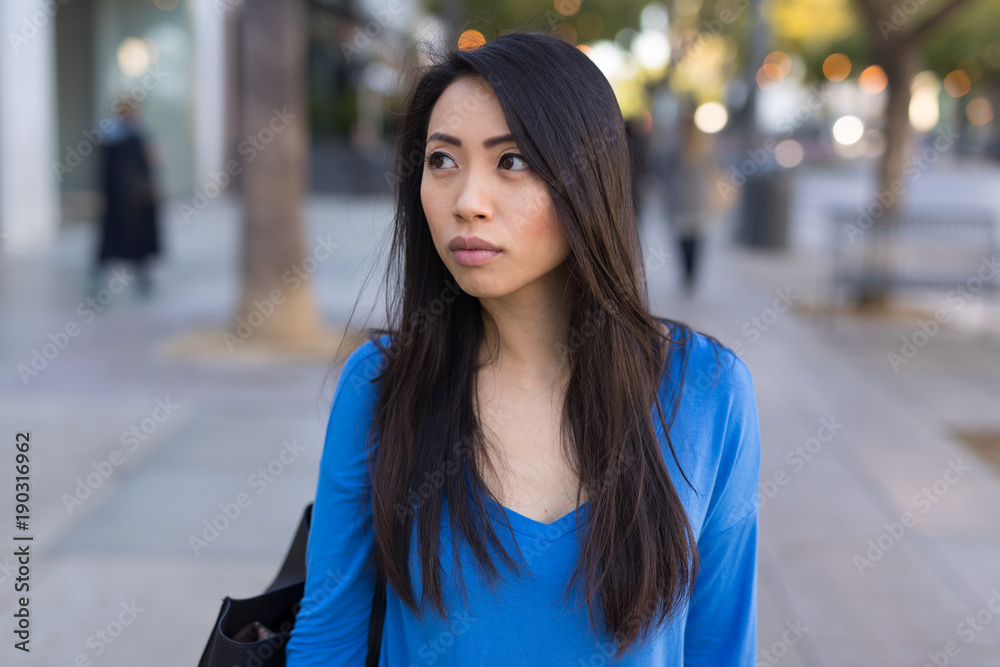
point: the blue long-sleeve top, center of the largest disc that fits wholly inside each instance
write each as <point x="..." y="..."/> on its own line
<point x="717" y="440"/>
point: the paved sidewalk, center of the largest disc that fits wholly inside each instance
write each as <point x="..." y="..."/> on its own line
<point x="849" y="447"/>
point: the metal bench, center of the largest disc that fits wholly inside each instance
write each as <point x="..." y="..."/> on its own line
<point x="927" y="248"/>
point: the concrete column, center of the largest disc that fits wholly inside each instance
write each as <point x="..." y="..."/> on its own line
<point x="29" y="206"/>
<point x="208" y="23"/>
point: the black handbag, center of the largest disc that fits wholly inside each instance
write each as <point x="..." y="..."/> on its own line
<point x="253" y="632"/>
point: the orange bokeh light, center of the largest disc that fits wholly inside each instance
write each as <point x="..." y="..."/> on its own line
<point x="772" y="71"/>
<point x="765" y="81"/>
<point x="781" y="60"/>
<point x="979" y="111"/>
<point x="470" y="40"/>
<point x="565" y="32"/>
<point x="567" y="7"/>
<point x="836" y="67"/>
<point x="873" y="80"/>
<point x="957" y="83"/>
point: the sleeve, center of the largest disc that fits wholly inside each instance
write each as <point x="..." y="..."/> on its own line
<point x="331" y="627"/>
<point x="721" y="626"/>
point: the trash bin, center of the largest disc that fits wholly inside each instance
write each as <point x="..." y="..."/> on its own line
<point x="764" y="211"/>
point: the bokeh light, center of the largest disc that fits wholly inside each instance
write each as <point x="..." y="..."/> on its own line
<point x="836" y="67"/>
<point x="873" y="80"/>
<point x="957" y="83"/>
<point x="608" y="57"/>
<point x="133" y="57"/>
<point x="470" y="40"/>
<point x="764" y="78"/>
<point x="644" y="121"/>
<point x="848" y="130"/>
<point x="651" y="49"/>
<point x="924" y="112"/>
<point x="654" y="17"/>
<point x="979" y="111"/>
<point x="711" y="117"/>
<point x="567" y="7"/>
<point x="789" y="153"/>
<point x="565" y="32"/>
<point x="778" y="62"/>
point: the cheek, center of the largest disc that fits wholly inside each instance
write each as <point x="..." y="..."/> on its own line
<point x="542" y="223"/>
<point x="430" y="204"/>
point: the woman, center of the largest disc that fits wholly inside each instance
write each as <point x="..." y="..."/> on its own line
<point x="545" y="473"/>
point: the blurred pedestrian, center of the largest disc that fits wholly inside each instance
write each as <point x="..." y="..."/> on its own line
<point x="129" y="223"/>
<point x="637" y="139"/>
<point x="686" y="178"/>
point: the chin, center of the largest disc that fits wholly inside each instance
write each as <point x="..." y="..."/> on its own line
<point x="480" y="289"/>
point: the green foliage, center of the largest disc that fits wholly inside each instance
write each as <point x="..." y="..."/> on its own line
<point x="966" y="33"/>
<point x="493" y="17"/>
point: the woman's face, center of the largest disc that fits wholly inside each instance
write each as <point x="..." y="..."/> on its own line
<point x="475" y="183"/>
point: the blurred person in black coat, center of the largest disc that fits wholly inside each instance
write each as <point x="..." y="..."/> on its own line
<point x="686" y="178"/>
<point x="129" y="225"/>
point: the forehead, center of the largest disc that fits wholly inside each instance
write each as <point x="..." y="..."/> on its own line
<point x="468" y="104"/>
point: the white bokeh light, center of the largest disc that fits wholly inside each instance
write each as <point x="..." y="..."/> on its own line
<point x="133" y="57"/>
<point x="848" y="130"/>
<point x="651" y="49"/>
<point x="924" y="112"/>
<point x="608" y="57"/>
<point x="654" y="17"/>
<point x="711" y="117"/>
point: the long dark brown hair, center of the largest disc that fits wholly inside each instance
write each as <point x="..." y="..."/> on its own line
<point x="639" y="556"/>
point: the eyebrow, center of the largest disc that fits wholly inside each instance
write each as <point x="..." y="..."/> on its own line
<point x="487" y="143"/>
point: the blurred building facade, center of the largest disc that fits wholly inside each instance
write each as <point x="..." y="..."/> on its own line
<point x="65" y="64"/>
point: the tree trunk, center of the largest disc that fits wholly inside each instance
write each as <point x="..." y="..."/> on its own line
<point x="272" y="309"/>
<point x="901" y="64"/>
<point x="898" y="53"/>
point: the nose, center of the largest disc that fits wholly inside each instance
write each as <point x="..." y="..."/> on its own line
<point x="475" y="197"/>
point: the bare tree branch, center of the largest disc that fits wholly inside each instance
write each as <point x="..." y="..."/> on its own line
<point x="935" y="19"/>
<point x="872" y="13"/>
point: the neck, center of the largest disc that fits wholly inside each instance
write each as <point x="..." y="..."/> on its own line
<point x="533" y="324"/>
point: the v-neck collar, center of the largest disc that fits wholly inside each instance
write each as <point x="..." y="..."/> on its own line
<point x="546" y="532"/>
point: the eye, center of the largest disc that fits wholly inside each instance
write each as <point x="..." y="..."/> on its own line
<point x="507" y="157"/>
<point x="433" y="158"/>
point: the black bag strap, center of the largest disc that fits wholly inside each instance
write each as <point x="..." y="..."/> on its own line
<point x="294" y="569"/>
<point x="377" y="620"/>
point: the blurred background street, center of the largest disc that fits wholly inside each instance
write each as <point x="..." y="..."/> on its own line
<point x="844" y="242"/>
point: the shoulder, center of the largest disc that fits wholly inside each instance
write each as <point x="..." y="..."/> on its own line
<point x="358" y="381"/>
<point x="364" y="365"/>
<point x="717" y="427"/>
<point x="352" y="415"/>
<point x="701" y="364"/>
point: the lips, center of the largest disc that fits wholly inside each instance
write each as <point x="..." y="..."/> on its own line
<point x="471" y="243"/>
